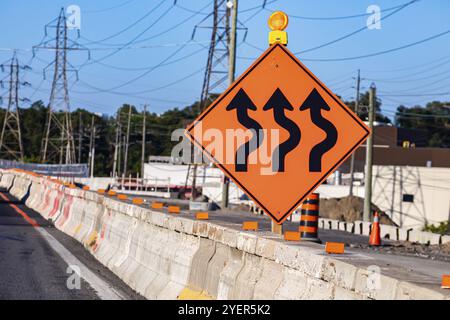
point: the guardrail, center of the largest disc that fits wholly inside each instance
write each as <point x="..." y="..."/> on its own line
<point x="55" y="170"/>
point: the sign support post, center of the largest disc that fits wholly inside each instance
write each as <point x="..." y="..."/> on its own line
<point x="369" y="157"/>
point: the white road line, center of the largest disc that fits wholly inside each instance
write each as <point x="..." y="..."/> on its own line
<point x="101" y="287"/>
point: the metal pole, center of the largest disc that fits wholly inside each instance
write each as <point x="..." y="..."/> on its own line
<point x="93" y="156"/>
<point x="116" y="148"/>
<point x="352" y="160"/>
<point x="127" y="142"/>
<point x="143" y="140"/>
<point x="369" y="157"/>
<point x="91" y="142"/>
<point x="80" y="135"/>
<point x="231" y="77"/>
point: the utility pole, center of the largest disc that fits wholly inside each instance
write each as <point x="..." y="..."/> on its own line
<point x="127" y="142"/>
<point x="352" y="159"/>
<point x="231" y="77"/>
<point x="11" y="146"/>
<point x="116" y="146"/>
<point x="144" y="118"/>
<point x="93" y="153"/>
<point x="92" y="146"/>
<point x="58" y="141"/>
<point x="80" y="135"/>
<point x="369" y="156"/>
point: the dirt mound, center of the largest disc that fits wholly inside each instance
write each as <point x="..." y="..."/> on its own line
<point x="348" y="209"/>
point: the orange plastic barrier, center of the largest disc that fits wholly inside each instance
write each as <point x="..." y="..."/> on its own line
<point x="202" y="216"/>
<point x="122" y="197"/>
<point x="445" y="281"/>
<point x="157" y="205"/>
<point x="292" y="236"/>
<point x="138" y="201"/>
<point x="250" y="225"/>
<point x="86" y="188"/>
<point x="112" y="193"/>
<point x="101" y="191"/>
<point x="174" y="209"/>
<point x="334" y="247"/>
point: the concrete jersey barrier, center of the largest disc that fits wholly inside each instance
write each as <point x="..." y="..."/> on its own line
<point x="164" y="256"/>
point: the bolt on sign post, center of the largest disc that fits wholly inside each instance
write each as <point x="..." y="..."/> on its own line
<point x="278" y="132"/>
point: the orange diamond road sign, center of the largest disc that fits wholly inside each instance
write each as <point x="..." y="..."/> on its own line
<point x="297" y="132"/>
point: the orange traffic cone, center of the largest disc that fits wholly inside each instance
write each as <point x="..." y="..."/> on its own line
<point x="374" y="239"/>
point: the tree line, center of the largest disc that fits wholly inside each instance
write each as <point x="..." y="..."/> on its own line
<point x="433" y="117"/>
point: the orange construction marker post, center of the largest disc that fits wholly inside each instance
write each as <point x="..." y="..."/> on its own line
<point x="445" y="281"/>
<point x="202" y="216"/>
<point x="309" y="218"/>
<point x="174" y="209"/>
<point x="334" y="247"/>
<point x="138" y="201"/>
<point x="250" y="226"/>
<point x="292" y="236"/>
<point x="157" y="205"/>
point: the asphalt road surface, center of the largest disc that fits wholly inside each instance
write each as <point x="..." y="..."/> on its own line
<point x="38" y="261"/>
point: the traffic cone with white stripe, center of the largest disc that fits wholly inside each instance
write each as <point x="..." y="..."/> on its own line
<point x="375" y="239"/>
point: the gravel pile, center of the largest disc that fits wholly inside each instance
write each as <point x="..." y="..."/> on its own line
<point x="435" y="252"/>
<point x="348" y="209"/>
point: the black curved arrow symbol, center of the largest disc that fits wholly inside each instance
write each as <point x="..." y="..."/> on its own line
<point x="316" y="103"/>
<point x="279" y="103"/>
<point x="242" y="103"/>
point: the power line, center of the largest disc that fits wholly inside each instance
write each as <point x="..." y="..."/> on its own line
<point x="338" y="17"/>
<point x="384" y="51"/>
<point x="154" y="66"/>
<point x="160" y="33"/>
<point x="416" y="95"/>
<point x="148" y="13"/>
<point x="142" y="74"/>
<point x="109" y="8"/>
<point x="410" y="67"/>
<point x="408" y="79"/>
<point x="356" y="31"/>
<point x="132" y="40"/>
<point x="423" y="86"/>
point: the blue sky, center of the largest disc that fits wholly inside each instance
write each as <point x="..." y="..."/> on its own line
<point x="420" y="69"/>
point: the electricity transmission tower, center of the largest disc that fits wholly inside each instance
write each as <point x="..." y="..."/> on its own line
<point x="58" y="143"/>
<point x="218" y="66"/>
<point x="11" y="146"/>
<point x="215" y="79"/>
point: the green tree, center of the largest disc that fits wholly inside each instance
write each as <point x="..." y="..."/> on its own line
<point x="434" y="118"/>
